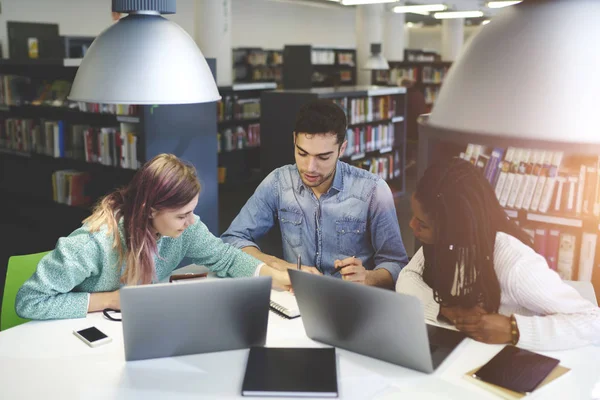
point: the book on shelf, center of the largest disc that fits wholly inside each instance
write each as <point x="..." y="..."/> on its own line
<point x="559" y="198"/>
<point x="587" y="256"/>
<point x="540" y="181"/>
<point x="369" y="109"/>
<point x="387" y="167"/>
<point x="369" y="138"/>
<point x="107" y="145"/>
<point x="238" y="138"/>
<point x="18" y="90"/>
<point x="69" y="187"/>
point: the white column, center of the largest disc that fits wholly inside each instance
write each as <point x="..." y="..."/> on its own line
<point x="453" y="37"/>
<point x="213" y="35"/>
<point x="394" y="37"/>
<point x="369" y="29"/>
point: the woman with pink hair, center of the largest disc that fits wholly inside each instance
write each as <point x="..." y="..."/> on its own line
<point x="136" y="235"/>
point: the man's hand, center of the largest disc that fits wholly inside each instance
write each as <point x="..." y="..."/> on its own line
<point x="453" y="313"/>
<point x="486" y="328"/>
<point x="352" y="269"/>
<point x="284" y="266"/>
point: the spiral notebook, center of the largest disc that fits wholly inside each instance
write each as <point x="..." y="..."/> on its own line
<point x="284" y="303"/>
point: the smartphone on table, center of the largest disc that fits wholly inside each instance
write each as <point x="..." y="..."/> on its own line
<point x="92" y="336"/>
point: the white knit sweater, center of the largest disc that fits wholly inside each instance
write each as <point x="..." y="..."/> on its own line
<point x="550" y="314"/>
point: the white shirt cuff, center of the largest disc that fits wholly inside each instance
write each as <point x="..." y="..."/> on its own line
<point x="257" y="271"/>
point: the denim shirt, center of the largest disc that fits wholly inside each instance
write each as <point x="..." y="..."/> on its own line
<point x="356" y="217"/>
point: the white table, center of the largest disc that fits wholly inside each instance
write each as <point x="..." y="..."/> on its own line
<point x="43" y="359"/>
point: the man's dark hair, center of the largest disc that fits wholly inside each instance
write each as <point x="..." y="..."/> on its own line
<point x="322" y="117"/>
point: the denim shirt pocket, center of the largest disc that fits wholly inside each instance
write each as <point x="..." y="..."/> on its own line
<point x="290" y="223"/>
<point x="350" y="236"/>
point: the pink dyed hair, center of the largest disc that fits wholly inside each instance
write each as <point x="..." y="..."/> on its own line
<point x="163" y="183"/>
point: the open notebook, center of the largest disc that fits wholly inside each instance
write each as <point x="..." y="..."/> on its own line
<point x="284" y="303"/>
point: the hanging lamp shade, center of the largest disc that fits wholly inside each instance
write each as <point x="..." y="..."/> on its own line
<point x="376" y="61"/>
<point x="531" y="74"/>
<point x="144" y="59"/>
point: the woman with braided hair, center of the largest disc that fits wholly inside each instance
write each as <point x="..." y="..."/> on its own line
<point x="477" y="269"/>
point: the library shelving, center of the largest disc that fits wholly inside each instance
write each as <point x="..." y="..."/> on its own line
<point x="420" y="55"/>
<point x="306" y="67"/>
<point x="58" y="157"/>
<point x="551" y="189"/>
<point x="238" y="137"/>
<point x="427" y="75"/>
<point x="376" y="128"/>
<point x="257" y="65"/>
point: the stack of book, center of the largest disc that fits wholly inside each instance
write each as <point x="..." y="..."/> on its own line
<point x="560" y="191"/>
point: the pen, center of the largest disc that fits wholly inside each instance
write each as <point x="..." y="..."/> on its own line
<point x="299" y="261"/>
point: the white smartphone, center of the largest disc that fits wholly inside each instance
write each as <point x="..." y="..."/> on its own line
<point x="93" y="336"/>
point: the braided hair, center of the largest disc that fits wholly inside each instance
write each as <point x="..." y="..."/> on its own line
<point x="459" y="266"/>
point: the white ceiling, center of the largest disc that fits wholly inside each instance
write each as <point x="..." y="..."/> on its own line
<point x="456" y="5"/>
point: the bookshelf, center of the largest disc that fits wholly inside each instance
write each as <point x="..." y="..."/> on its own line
<point x="257" y="65"/>
<point x="551" y="189"/>
<point x="307" y="67"/>
<point x="376" y="138"/>
<point x="238" y="137"/>
<point x="428" y="76"/>
<point x="42" y="134"/>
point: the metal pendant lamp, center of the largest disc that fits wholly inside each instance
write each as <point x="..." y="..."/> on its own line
<point x="376" y="60"/>
<point x="531" y="74"/>
<point x="144" y="59"/>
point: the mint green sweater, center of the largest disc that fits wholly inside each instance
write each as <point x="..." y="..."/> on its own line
<point x="85" y="262"/>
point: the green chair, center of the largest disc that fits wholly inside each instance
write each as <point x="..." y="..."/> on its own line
<point x="20" y="268"/>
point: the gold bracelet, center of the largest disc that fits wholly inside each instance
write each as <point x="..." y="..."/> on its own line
<point x="514" y="331"/>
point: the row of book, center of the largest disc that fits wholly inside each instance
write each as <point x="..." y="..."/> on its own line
<point x="367" y="109"/>
<point x="70" y="187"/>
<point x="395" y="75"/>
<point x="19" y="91"/>
<point x="369" y="138"/>
<point x="387" y="167"/>
<point x="238" y="139"/>
<point x="542" y="181"/>
<point x="107" y="146"/>
<point x="328" y="57"/>
<point x="232" y="107"/>
<point x="560" y="248"/>
<point x="431" y="94"/>
<point x="433" y="74"/>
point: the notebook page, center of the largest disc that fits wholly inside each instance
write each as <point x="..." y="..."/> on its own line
<point x="285" y="302"/>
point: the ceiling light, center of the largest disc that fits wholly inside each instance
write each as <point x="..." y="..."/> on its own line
<point x="497" y="93"/>
<point x="144" y="58"/>
<point x="425" y="8"/>
<point x="485" y="22"/>
<point x="376" y="61"/>
<point x="502" y="4"/>
<point x="458" y="14"/>
<point x="358" y="2"/>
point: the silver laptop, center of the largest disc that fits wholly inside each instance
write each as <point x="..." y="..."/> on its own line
<point x="166" y="319"/>
<point x="371" y="321"/>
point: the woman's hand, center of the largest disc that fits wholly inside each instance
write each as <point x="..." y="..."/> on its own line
<point x="453" y="313"/>
<point x="100" y="301"/>
<point x="486" y="328"/>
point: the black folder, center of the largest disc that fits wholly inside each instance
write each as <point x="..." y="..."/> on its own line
<point x="291" y="372"/>
<point x="517" y="369"/>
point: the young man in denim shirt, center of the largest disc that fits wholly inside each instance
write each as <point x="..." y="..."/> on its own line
<point x="330" y="213"/>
